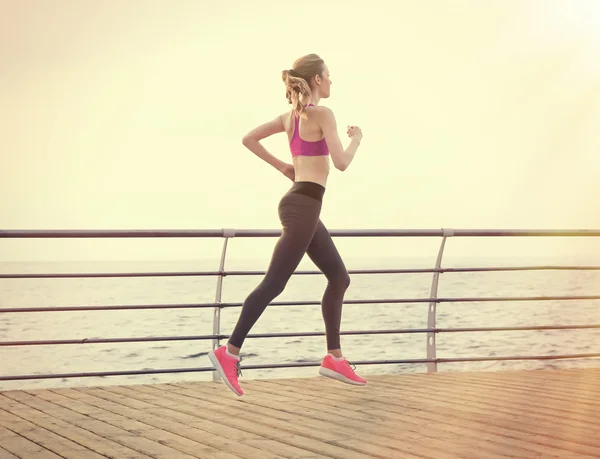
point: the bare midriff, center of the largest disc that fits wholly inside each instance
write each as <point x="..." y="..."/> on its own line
<point x="312" y="169"/>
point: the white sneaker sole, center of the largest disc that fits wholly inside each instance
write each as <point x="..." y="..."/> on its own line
<point x="339" y="377"/>
<point x="219" y="368"/>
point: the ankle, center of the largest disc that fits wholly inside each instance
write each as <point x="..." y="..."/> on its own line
<point x="233" y="350"/>
<point x="337" y="353"/>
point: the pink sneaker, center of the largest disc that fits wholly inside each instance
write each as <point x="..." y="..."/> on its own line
<point x="228" y="366"/>
<point x="341" y="369"/>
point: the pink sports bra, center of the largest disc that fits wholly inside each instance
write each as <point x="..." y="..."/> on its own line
<point x="300" y="147"/>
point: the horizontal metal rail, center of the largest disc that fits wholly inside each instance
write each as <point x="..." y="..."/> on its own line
<point x="299" y="364"/>
<point x="297" y="303"/>
<point x="400" y="331"/>
<point x="225" y="232"/>
<point x="296" y="273"/>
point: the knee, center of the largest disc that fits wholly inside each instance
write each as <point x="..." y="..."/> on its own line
<point x="341" y="281"/>
<point x="274" y="287"/>
<point x="346" y="281"/>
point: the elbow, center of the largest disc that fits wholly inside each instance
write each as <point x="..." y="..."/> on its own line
<point x="340" y="161"/>
<point x="341" y="166"/>
<point x="246" y="140"/>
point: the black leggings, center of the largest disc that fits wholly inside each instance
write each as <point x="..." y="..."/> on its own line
<point x="303" y="232"/>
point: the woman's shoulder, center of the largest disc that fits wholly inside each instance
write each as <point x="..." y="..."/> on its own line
<point x="320" y="109"/>
<point x="322" y="114"/>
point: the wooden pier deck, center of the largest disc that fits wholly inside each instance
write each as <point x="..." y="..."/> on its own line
<point x="483" y="415"/>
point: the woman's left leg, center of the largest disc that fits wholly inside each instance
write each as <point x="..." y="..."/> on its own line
<point x="324" y="254"/>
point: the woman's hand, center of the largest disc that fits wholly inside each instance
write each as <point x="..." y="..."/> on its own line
<point x="289" y="171"/>
<point x="354" y="132"/>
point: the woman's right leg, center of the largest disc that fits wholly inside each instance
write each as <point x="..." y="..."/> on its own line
<point x="299" y="215"/>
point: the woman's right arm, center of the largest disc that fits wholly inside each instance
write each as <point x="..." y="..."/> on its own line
<point x="341" y="158"/>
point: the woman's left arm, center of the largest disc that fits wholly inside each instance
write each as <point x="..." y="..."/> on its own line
<point x="252" y="142"/>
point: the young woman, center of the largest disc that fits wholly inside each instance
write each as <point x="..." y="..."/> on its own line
<point x="313" y="139"/>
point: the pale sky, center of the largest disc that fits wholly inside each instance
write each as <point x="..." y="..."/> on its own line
<point x="129" y="114"/>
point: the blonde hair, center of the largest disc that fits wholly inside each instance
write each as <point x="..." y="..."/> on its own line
<point x="297" y="81"/>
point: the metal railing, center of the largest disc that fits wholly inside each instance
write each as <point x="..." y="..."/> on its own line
<point x="431" y="331"/>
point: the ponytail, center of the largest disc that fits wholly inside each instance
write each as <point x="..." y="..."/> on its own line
<point x="297" y="91"/>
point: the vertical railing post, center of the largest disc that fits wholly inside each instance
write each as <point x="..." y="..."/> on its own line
<point x="227" y="233"/>
<point x="431" y="314"/>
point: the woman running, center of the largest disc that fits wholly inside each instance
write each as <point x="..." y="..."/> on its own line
<point x="313" y="137"/>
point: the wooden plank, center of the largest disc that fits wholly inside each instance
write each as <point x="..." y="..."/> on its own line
<point x="105" y="433"/>
<point x="557" y="388"/>
<point x="525" y="404"/>
<point x="24" y="448"/>
<point x="218" y="436"/>
<point x="442" y="428"/>
<point x="6" y="455"/>
<point x="121" y="426"/>
<point x="561" y="385"/>
<point x="370" y="438"/>
<point x="278" y="449"/>
<point x="512" y="408"/>
<point x="46" y="439"/>
<point x="538" y="403"/>
<point x="498" y="397"/>
<point x="450" y="404"/>
<point x="240" y="417"/>
<point x="445" y="427"/>
<point x="519" y="414"/>
<point x="371" y="435"/>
